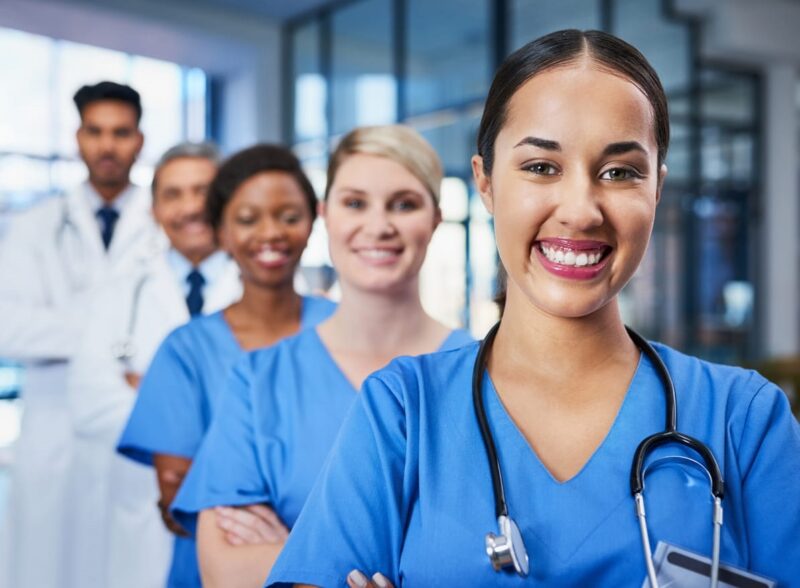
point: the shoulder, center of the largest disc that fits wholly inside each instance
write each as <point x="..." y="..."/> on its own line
<point x="425" y="379"/>
<point x="288" y="351"/>
<point x="184" y="339"/>
<point x="457" y="338"/>
<point x="723" y="382"/>
<point x="316" y="309"/>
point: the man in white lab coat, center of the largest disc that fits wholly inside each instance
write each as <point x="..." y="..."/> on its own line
<point x="120" y="540"/>
<point x="52" y="257"/>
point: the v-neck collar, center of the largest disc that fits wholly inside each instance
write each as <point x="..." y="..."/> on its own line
<point x="502" y="420"/>
<point x="539" y="502"/>
<point x="316" y="340"/>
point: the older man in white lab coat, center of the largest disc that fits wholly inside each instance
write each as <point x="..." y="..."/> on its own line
<point x="51" y="259"/>
<point x="121" y="541"/>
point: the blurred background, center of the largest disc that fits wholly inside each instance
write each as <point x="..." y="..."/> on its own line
<point x="722" y="275"/>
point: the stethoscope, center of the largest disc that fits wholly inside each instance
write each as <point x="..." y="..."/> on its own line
<point x="125" y="349"/>
<point x="507" y="550"/>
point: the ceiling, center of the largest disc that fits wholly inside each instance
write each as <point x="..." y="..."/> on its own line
<point x="279" y="10"/>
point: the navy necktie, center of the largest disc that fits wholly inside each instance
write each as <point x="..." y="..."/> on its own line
<point x="108" y="216"/>
<point x="194" y="300"/>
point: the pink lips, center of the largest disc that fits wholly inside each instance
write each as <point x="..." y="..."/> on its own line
<point x="570" y="271"/>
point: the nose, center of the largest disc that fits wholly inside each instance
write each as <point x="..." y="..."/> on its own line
<point x="270" y="229"/>
<point x="378" y="223"/>
<point x="578" y="206"/>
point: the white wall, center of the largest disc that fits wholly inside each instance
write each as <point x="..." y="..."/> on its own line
<point x="244" y="51"/>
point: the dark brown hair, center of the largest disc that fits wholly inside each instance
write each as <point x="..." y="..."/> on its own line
<point x="561" y="48"/>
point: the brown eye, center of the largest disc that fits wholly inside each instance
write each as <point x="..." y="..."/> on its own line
<point x="541" y="168"/>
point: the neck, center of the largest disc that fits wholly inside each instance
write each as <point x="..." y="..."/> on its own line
<point x="571" y="346"/>
<point x="108" y="192"/>
<point x="269" y="306"/>
<point x="197" y="257"/>
<point x="385" y="322"/>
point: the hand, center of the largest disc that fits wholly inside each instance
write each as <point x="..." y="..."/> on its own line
<point x="133" y="379"/>
<point x="356" y="579"/>
<point x="171" y="524"/>
<point x="253" y="524"/>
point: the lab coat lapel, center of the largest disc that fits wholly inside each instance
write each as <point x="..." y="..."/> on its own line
<point x="170" y="292"/>
<point x="79" y="208"/>
<point x="134" y="226"/>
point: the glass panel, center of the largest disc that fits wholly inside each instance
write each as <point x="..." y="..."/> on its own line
<point x="23" y="181"/>
<point x="443" y="271"/>
<point x="454" y="200"/>
<point x="446" y="65"/>
<point x="160" y="85"/>
<point x="453" y="137"/>
<point x="27" y="120"/>
<point x="78" y="65"/>
<point x="530" y="19"/>
<point x="310" y="92"/>
<point x="664" y="42"/>
<point x="196" y="88"/>
<point x="727" y="97"/>
<point x="363" y="87"/>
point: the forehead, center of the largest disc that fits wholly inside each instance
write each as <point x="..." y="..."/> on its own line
<point x="268" y="187"/>
<point x="187" y="170"/>
<point x="376" y="174"/>
<point x="580" y="102"/>
<point x="109" y="112"/>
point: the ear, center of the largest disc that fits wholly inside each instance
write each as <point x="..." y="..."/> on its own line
<point x="322" y="208"/>
<point x="140" y="141"/>
<point x="437" y="217"/>
<point x="662" y="174"/>
<point x="483" y="182"/>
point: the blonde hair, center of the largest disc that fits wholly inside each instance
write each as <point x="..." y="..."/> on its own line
<point x="398" y="143"/>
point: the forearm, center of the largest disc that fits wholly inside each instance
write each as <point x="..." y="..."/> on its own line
<point x="223" y="565"/>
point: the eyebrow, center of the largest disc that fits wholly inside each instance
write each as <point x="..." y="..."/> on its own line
<point x="541" y="143"/>
<point x="623" y="147"/>
<point x="611" y="149"/>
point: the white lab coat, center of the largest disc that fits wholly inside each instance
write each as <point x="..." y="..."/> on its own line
<point x="124" y="543"/>
<point x="51" y="259"/>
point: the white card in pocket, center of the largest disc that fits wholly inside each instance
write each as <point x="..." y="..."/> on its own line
<point x="679" y="568"/>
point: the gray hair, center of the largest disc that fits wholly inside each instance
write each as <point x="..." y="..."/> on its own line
<point x="204" y="150"/>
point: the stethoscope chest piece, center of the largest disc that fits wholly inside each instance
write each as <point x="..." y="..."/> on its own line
<point x="507" y="549"/>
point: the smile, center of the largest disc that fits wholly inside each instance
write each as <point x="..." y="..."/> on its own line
<point x="573" y="259"/>
<point x="379" y="255"/>
<point x="272" y="257"/>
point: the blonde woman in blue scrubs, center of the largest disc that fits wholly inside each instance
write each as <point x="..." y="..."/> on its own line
<point x="283" y="407"/>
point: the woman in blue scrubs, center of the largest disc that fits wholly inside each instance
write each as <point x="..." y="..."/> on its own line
<point x="261" y="206"/>
<point x="570" y="163"/>
<point x="284" y="406"/>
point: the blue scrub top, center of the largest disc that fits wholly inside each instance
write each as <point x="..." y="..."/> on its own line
<point x="407" y="489"/>
<point x="272" y="433"/>
<point x="177" y="398"/>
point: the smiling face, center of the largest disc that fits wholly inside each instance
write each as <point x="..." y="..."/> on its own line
<point x="179" y="199"/>
<point x="573" y="188"/>
<point x="265" y="228"/>
<point x="380" y="219"/>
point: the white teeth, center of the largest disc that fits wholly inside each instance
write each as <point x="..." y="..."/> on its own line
<point x="569" y="257"/>
<point x="377" y="253"/>
<point x="271" y="256"/>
